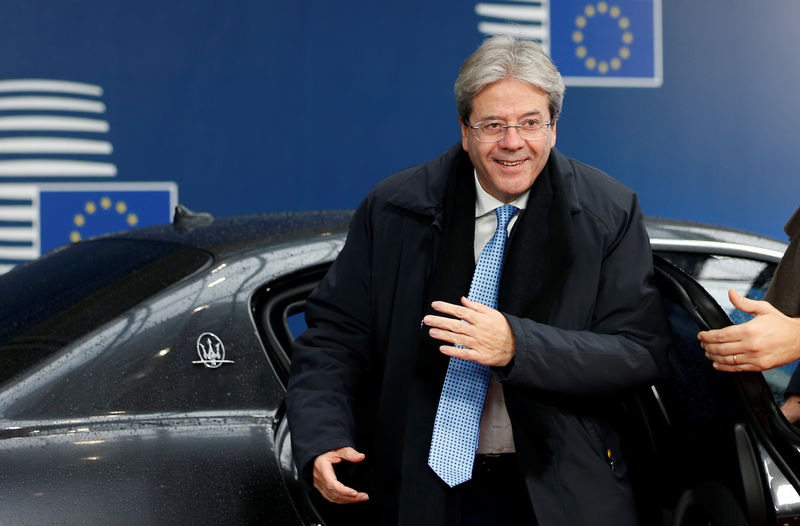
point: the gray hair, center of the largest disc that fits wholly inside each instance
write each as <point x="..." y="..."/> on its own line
<point x="501" y="57"/>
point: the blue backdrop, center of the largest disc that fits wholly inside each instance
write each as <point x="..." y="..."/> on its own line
<point x="256" y="105"/>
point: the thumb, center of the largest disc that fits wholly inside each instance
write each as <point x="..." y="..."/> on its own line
<point x="351" y="455"/>
<point x="747" y="305"/>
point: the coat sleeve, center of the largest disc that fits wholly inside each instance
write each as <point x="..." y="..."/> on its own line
<point x="625" y="343"/>
<point x="784" y="290"/>
<point x="328" y="359"/>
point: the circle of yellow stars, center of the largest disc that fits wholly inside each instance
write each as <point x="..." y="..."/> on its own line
<point x="591" y="11"/>
<point x="91" y="208"/>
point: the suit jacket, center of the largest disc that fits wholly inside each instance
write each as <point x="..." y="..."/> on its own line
<point x="576" y="292"/>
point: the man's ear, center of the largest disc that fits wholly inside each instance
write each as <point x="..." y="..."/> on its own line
<point x="464" y="135"/>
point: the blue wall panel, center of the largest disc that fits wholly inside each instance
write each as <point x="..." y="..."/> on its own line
<point x="254" y="105"/>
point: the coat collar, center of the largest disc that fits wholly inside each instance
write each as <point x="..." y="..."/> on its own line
<point x="540" y="249"/>
<point x="427" y="185"/>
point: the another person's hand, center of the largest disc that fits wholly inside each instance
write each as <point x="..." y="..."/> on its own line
<point x="325" y="477"/>
<point x="486" y="337"/>
<point x="769" y="340"/>
<point x="791" y="409"/>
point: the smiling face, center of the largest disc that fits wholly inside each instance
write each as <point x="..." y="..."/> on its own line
<point x="507" y="168"/>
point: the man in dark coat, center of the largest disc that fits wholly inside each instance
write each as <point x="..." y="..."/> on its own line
<point x="578" y="322"/>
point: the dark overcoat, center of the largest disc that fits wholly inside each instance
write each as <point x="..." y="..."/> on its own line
<point x="576" y="292"/>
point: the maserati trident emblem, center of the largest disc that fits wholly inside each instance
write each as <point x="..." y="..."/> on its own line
<point x="210" y="350"/>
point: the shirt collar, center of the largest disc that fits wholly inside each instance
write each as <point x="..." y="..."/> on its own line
<point x="485" y="203"/>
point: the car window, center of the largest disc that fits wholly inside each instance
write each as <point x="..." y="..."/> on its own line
<point x="70" y="292"/>
<point x="280" y="314"/>
<point x="296" y="324"/>
<point x="718" y="273"/>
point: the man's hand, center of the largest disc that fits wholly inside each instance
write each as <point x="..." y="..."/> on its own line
<point x="486" y="337"/>
<point x="325" y="477"/>
<point x="791" y="409"/>
<point x="769" y="340"/>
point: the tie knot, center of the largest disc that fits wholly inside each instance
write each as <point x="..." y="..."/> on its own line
<point x="504" y="215"/>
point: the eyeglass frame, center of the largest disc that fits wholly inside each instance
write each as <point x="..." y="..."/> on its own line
<point x="477" y="129"/>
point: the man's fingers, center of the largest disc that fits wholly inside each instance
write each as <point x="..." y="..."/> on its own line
<point x="335" y="491"/>
<point x="475" y="306"/>
<point x="747" y="305"/>
<point x="338" y="493"/>
<point x="736" y="298"/>
<point x="727" y="368"/>
<point x="448" y="324"/>
<point x="328" y="484"/>
<point x="454" y="338"/>
<point x="445" y="308"/>
<point x="463" y="353"/>
<point x="739" y="362"/>
<point x="731" y="334"/>
<point x="725" y="348"/>
<point x="467" y="311"/>
<point x="349" y="454"/>
<point x="457" y="311"/>
<point x="739" y="368"/>
<point x="731" y="362"/>
<point x="486" y="335"/>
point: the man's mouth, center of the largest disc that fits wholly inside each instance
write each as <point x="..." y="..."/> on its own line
<point x="510" y="163"/>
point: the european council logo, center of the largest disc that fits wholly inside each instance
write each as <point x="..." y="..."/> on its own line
<point x="594" y="43"/>
<point x="35" y="218"/>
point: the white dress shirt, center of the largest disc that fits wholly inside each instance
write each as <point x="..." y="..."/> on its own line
<point x="495" y="436"/>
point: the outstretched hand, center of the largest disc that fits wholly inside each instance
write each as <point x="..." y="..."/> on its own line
<point x="325" y="477"/>
<point x="769" y="340"/>
<point x="486" y="337"/>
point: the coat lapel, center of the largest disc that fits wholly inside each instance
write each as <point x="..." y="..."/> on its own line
<point x="454" y="264"/>
<point x="451" y="279"/>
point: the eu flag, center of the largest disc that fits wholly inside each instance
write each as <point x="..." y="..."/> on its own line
<point x="73" y="212"/>
<point x="593" y="43"/>
<point x="615" y="43"/>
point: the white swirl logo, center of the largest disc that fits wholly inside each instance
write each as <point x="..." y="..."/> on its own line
<point x="210" y="350"/>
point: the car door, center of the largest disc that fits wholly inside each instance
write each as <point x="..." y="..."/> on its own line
<point x="718" y="451"/>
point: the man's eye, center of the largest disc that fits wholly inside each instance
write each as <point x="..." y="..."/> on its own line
<point x="530" y="124"/>
<point x="493" y="126"/>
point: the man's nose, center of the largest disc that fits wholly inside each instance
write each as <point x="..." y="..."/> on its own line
<point x="512" y="139"/>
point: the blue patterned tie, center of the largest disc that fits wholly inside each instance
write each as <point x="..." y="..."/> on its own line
<point x="458" y="418"/>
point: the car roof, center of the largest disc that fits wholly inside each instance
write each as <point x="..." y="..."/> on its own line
<point x="688" y="236"/>
<point x="226" y="235"/>
<point x="222" y="236"/>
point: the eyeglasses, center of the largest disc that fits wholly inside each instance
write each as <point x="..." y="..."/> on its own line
<point x="494" y="131"/>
